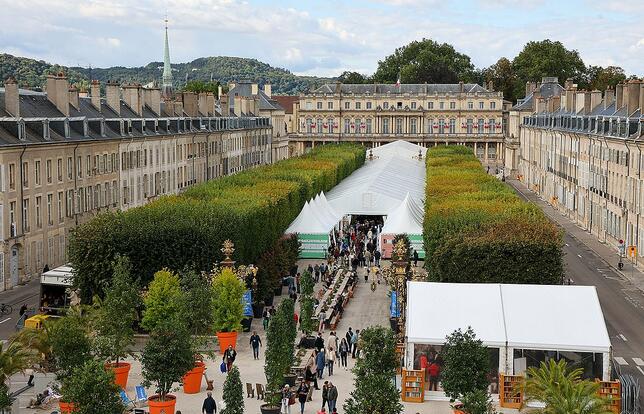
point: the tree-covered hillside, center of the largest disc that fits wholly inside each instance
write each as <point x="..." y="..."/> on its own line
<point x="218" y="68"/>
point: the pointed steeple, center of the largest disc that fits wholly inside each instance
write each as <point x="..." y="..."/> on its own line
<point x="166" y="87"/>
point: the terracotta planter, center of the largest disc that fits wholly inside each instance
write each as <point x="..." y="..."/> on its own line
<point x="268" y="409"/>
<point x="225" y="339"/>
<point x="192" y="379"/>
<point x="158" y="407"/>
<point x="66" y="408"/>
<point x="121" y="372"/>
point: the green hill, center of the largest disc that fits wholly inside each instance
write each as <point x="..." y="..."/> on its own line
<point x="32" y="73"/>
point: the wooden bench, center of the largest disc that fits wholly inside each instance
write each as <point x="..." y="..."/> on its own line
<point x="334" y="321"/>
<point x="250" y="392"/>
<point x="261" y="393"/>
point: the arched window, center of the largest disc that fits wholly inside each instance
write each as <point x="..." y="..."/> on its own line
<point x="470" y="125"/>
<point x="309" y="123"/>
<point x="368" y="126"/>
<point x="319" y="128"/>
<point x="452" y="126"/>
<point x="481" y="126"/>
<point x="441" y="126"/>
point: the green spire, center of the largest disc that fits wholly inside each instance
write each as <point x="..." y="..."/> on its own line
<point x="166" y="89"/>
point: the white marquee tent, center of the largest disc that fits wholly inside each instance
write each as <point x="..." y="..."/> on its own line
<point x="312" y="230"/>
<point x="406" y="218"/>
<point x="509" y="317"/>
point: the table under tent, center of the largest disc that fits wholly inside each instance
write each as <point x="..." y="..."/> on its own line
<point x="407" y="218"/>
<point x="521" y="325"/>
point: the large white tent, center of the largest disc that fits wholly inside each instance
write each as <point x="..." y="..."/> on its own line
<point x="406" y="218"/>
<point x="379" y="186"/>
<point x="508" y="317"/>
<point x="312" y="231"/>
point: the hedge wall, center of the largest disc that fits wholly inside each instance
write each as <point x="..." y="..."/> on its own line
<point x="253" y="208"/>
<point x="478" y="230"/>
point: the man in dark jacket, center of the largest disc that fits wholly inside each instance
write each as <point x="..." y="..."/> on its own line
<point x="332" y="396"/>
<point x="319" y="342"/>
<point x="255" y="342"/>
<point x="209" y="405"/>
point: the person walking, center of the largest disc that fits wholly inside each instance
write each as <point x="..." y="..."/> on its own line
<point x="229" y="357"/>
<point x="321" y="319"/>
<point x="266" y="316"/>
<point x="376" y="256"/>
<point x="325" y="393"/>
<point x="434" y="371"/>
<point x="332" y="396"/>
<point x="330" y="359"/>
<point x="311" y="371"/>
<point x="348" y="336"/>
<point x="344" y="350"/>
<point x="354" y="343"/>
<point x="320" y="362"/>
<point x="332" y="342"/>
<point x="319" y="342"/>
<point x="286" y="399"/>
<point x="415" y="258"/>
<point x="255" y="343"/>
<point x="302" y="394"/>
<point x="209" y="405"/>
<point x="317" y="272"/>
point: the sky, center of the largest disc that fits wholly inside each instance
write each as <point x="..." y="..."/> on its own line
<point x="316" y="37"/>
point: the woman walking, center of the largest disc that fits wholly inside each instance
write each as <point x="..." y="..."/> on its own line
<point x="286" y="398"/>
<point x="330" y="359"/>
<point x="344" y="351"/>
<point x="302" y="394"/>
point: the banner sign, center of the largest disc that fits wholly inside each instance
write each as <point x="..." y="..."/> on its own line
<point x="394" y="312"/>
<point x="247" y="301"/>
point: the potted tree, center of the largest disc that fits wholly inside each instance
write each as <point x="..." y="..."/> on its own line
<point x="307" y="324"/>
<point x="71" y="348"/>
<point x="276" y="365"/>
<point x="162" y="300"/>
<point x="115" y="320"/>
<point x="166" y="357"/>
<point x="467" y="364"/>
<point x="15" y="357"/>
<point x="228" y="309"/>
<point x="197" y="311"/>
<point x="93" y="390"/>
<point x="287" y="308"/>
<point x="233" y="393"/>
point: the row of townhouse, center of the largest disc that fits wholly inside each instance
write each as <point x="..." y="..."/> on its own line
<point x="425" y="114"/>
<point x="583" y="151"/>
<point x="65" y="158"/>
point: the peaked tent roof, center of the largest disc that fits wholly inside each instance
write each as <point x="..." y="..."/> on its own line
<point x="406" y="218"/>
<point x="308" y="222"/>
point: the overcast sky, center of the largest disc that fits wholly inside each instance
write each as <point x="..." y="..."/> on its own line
<point x="316" y="37"/>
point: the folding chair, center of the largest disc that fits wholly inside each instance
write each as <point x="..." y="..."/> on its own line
<point x="141" y="396"/>
<point x="260" y="391"/>
<point x="126" y="400"/>
<point x="250" y="392"/>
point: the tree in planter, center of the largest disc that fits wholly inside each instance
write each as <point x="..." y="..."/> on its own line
<point x="228" y="310"/>
<point x="197" y="302"/>
<point x="467" y="364"/>
<point x="167" y="355"/>
<point x="374" y="387"/>
<point x="40" y="341"/>
<point x="307" y="325"/>
<point x="117" y="314"/>
<point x="277" y="361"/>
<point x="162" y="300"/>
<point x="477" y="402"/>
<point x="233" y="393"/>
<point x="287" y="308"/>
<point x="15" y="357"/>
<point x="70" y="345"/>
<point x="92" y="390"/>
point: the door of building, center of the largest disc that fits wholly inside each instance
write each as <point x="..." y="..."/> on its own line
<point x="13" y="265"/>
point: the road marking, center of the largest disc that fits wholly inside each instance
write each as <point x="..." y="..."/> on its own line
<point x="5" y="320"/>
<point x="621" y="361"/>
<point x="623" y="337"/>
<point x="638" y="361"/>
<point x="579" y="256"/>
<point x="640" y="370"/>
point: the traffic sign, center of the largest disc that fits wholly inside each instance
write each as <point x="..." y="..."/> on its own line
<point x="632" y="251"/>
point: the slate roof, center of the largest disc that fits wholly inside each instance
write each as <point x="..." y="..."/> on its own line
<point x="266" y="103"/>
<point x="410" y="88"/>
<point x="547" y="90"/>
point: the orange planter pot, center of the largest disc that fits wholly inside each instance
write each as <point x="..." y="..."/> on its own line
<point x="121" y="372"/>
<point x="192" y="379"/>
<point x="66" y="408"/>
<point x="226" y="339"/>
<point x="165" y="407"/>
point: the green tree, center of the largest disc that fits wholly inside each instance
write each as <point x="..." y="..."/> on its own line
<point x="228" y="309"/>
<point x="15" y="357"/>
<point x="40" y="341"/>
<point x="353" y="77"/>
<point x="425" y="61"/>
<point x="287" y="310"/>
<point x="467" y="364"/>
<point x="92" y="390"/>
<point x="546" y="58"/>
<point x="233" y="393"/>
<point x="307" y="324"/>
<point x="117" y="314"/>
<point x="374" y="389"/>
<point x="600" y="78"/>
<point x="167" y="355"/>
<point x="563" y="391"/>
<point x="197" y="303"/>
<point x="477" y="402"/>
<point x="503" y="77"/>
<point x="163" y="299"/>
<point x="198" y="86"/>
<point x="279" y="350"/>
<point x="70" y="345"/>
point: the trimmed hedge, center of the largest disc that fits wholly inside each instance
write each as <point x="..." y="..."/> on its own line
<point x="477" y="230"/>
<point x="252" y="208"/>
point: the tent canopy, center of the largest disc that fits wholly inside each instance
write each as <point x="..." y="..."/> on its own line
<point x="406" y="218"/>
<point x="382" y="184"/>
<point x="542" y="317"/>
<point x="308" y="222"/>
<point x="61" y="276"/>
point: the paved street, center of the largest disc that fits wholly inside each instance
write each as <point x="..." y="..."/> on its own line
<point x="16" y="297"/>
<point x="589" y="262"/>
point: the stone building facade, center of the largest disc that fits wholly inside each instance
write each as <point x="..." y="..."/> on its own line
<point x="65" y="158"/>
<point x="373" y="114"/>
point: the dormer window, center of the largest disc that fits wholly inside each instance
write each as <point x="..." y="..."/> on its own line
<point x="45" y="130"/>
<point x="22" y="131"/>
<point x="66" y="128"/>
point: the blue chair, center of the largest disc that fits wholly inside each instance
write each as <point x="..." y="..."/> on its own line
<point x="126" y="400"/>
<point x="140" y="394"/>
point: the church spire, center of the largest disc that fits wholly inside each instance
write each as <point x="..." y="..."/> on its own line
<point x="166" y="88"/>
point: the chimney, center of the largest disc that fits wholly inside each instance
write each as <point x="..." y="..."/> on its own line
<point x="554" y="104"/>
<point x="490" y="86"/>
<point x="223" y="103"/>
<point x="237" y="103"/>
<point x="579" y="101"/>
<point x="633" y="101"/>
<point x="595" y="99"/>
<point x="254" y="89"/>
<point x="569" y="84"/>
<point x="133" y="97"/>
<point x="202" y="103"/>
<point x="609" y="97"/>
<point x="178" y="108"/>
<point x="570" y="99"/>
<point x="619" y="96"/>
<point x="268" y="89"/>
<point x="529" y="88"/>
<point x="11" y="97"/>
<point x="190" y="105"/>
<point x="231" y="85"/>
<point x="113" y="97"/>
<point x="62" y="94"/>
<point x="587" y="102"/>
<point x="95" y="94"/>
<point x="220" y="91"/>
<point x="51" y="88"/>
<point x="461" y="88"/>
<point x="152" y="99"/>
<point x="73" y="97"/>
<point x="210" y="103"/>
